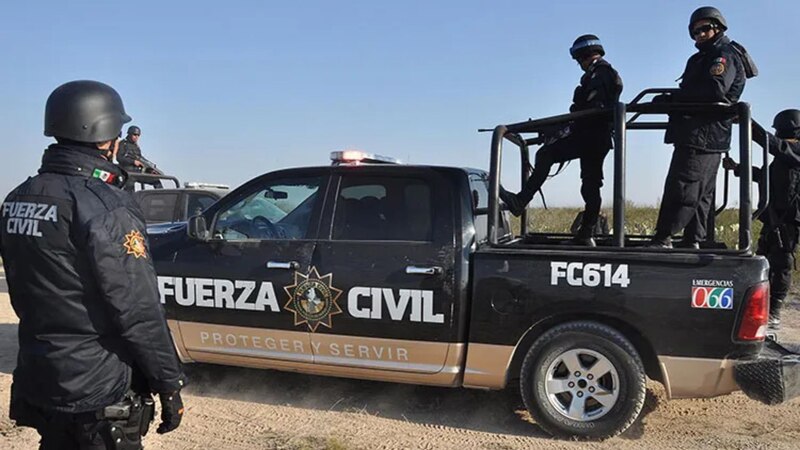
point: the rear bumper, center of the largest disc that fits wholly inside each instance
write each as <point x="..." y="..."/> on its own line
<point x="773" y="377"/>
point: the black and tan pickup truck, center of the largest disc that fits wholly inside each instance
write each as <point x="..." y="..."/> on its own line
<point x="411" y="274"/>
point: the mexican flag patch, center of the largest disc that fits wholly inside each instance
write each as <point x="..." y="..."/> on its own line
<point x="107" y="177"/>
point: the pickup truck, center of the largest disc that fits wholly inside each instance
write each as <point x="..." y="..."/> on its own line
<point x="411" y="274"/>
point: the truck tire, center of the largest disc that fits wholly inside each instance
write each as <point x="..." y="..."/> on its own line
<point x="583" y="380"/>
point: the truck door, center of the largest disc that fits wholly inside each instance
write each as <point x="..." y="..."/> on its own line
<point x="388" y="258"/>
<point x="229" y="295"/>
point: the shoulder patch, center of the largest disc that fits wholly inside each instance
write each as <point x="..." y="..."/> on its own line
<point x="717" y="69"/>
<point x="134" y="244"/>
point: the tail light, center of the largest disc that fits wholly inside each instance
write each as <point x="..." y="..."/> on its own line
<point x="753" y="326"/>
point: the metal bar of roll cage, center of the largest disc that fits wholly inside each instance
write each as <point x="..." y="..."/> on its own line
<point x="764" y="185"/>
<point x="745" y="175"/>
<point x="516" y="133"/>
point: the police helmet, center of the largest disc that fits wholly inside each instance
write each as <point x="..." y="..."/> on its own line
<point x="84" y="111"/>
<point x="133" y="129"/>
<point x="787" y="124"/>
<point x="707" y="13"/>
<point x="586" y="45"/>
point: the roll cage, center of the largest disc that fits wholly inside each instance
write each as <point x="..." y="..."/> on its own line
<point x="627" y="117"/>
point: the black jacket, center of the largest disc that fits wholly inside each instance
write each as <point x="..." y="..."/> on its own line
<point x="784" y="183"/>
<point x="600" y="87"/>
<point x="128" y="153"/>
<point x="715" y="74"/>
<point x="82" y="282"/>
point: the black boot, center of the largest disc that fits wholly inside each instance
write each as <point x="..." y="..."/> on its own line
<point x="583" y="237"/>
<point x="685" y="243"/>
<point x="660" y="242"/>
<point x="513" y="202"/>
<point x="775" y="314"/>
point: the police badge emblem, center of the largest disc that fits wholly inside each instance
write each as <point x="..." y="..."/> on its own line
<point x="134" y="245"/>
<point x="719" y="67"/>
<point x="312" y="299"/>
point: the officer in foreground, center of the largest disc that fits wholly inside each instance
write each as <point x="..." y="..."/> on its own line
<point x="93" y="341"/>
<point x="716" y="73"/>
<point x="587" y="139"/>
<point x="779" y="235"/>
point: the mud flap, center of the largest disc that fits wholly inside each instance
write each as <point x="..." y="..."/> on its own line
<point x="772" y="378"/>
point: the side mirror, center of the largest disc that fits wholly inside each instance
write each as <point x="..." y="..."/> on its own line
<point x="197" y="228"/>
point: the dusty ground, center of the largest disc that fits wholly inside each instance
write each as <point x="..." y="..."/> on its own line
<point x="231" y="408"/>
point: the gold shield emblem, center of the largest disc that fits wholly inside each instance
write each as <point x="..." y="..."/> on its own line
<point x="134" y="245"/>
<point x="312" y="299"/>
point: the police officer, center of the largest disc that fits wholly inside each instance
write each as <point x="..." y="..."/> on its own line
<point x="93" y="341"/>
<point x="588" y="139"/>
<point x="779" y="235"/>
<point x="130" y="154"/>
<point x="130" y="158"/>
<point x="716" y="73"/>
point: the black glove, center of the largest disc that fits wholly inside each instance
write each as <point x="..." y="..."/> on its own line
<point x="171" y="412"/>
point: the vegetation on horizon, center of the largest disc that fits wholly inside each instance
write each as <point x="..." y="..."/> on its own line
<point x="639" y="220"/>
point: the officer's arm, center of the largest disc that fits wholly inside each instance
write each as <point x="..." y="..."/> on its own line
<point x="756" y="172"/>
<point x="127" y="281"/>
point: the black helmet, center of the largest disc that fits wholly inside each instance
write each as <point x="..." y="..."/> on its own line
<point x="133" y="129"/>
<point x="707" y="13"/>
<point x="84" y="111"/>
<point x="787" y="124"/>
<point x="585" y="45"/>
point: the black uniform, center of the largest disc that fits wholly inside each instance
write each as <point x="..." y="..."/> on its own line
<point x="714" y="74"/>
<point x="128" y="153"/>
<point x="779" y="235"/>
<point x="82" y="282"/>
<point x="589" y="140"/>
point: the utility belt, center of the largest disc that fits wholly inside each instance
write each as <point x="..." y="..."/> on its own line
<point x="125" y="422"/>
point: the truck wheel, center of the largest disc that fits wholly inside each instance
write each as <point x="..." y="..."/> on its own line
<point x="583" y="380"/>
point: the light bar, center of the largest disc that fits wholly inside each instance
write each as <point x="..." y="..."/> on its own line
<point x="359" y="157"/>
<point x="199" y="185"/>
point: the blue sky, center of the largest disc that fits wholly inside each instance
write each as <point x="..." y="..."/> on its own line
<point x="225" y="91"/>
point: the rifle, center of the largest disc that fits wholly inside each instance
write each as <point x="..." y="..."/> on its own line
<point x="149" y="166"/>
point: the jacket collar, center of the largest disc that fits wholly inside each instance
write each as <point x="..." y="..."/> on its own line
<point x="77" y="160"/>
<point x="718" y="41"/>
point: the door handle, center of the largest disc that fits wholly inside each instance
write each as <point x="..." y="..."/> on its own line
<point x="414" y="270"/>
<point x="290" y="265"/>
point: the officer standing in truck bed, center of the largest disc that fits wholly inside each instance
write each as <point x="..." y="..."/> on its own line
<point x="715" y="74"/>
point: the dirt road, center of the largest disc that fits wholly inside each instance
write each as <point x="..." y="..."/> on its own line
<point x="231" y="408"/>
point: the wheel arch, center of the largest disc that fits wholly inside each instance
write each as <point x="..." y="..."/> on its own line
<point x="646" y="351"/>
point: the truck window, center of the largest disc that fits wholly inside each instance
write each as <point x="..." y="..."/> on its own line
<point x="385" y="208"/>
<point x="479" y="184"/>
<point x="479" y="187"/>
<point x="158" y="207"/>
<point x="279" y="210"/>
<point x="197" y="203"/>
